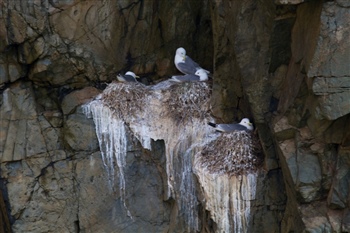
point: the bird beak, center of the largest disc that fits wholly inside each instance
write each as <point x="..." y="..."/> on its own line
<point x="249" y="123"/>
<point x="183" y="58"/>
<point x="137" y="76"/>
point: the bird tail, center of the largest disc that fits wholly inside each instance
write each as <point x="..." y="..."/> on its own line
<point x="212" y="124"/>
<point x="174" y="79"/>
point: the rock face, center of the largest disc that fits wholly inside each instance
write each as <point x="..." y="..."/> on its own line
<point x="282" y="63"/>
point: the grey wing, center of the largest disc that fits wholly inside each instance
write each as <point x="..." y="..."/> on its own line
<point x="186" y="67"/>
<point x="186" y="78"/>
<point x="129" y="78"/>
<point x="230" y="127"/>
<point x="192" y="63"/>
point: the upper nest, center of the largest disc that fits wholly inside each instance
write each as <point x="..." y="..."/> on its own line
<point x="188" y="100"/>
<point x="232" y="153"/>
<point x="179" y="100"/>
<point x="125" y="98"/>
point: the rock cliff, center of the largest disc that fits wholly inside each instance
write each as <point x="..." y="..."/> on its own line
<point x="283" y="63"/>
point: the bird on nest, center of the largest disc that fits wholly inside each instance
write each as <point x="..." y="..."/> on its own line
<point x="200" y="75"/>
<point x="185" y="64"/>
<point x="244" y="125"/>
<point x="127" y="77"/>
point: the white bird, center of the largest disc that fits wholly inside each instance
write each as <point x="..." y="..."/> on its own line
<point x="185" y="64"/>
<point x="200" y="75"/>
<point x="127" y="77"/>
<point x="243" y="125"/>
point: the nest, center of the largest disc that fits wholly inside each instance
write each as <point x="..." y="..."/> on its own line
<point x="127" y="98"/>
<point x="232" y="153"/>
<point x="181" y="101"/>
<point x="189" y="100"/>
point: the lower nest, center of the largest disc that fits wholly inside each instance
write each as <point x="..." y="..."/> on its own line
<point x="232" y="153"/>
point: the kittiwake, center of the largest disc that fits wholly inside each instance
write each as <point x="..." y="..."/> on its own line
<point x="185" y="64"/>
<point x="200" y="75"/>
<point x="243" y="125"/>
<point x="127" y="77"/>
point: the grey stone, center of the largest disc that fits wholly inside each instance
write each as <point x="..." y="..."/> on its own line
<point x="343" y="3"/>
<point x="289" y="1"/>
<point x="303" y="164"/>
<point x="14" y="72"/>
<point x="303" y="42"/>
<point x="31" y="51"/>
<point x="334" y="95"/>
<point x="52" y="193"/>
<point x="336" y="132"/>
<point x="332" y="55"/>
<point x="79" y="133"/>
<point x="3" y="74"/>
<point x="328" y="162"/>
<point x="10" y="68"/>
<point x="76" y="98"/>
<point x="14" y="150"/>
<point x="24" y="139"/>
<point x="35" y="141"/>
<point x="346" y="221"/>
<point x="323" y="86"/>
<point x="4" y="125"/>
<point x="18" y="103"/>
<point x="55" y="71"/>
<point x="283" y="130"/>
<point x="339" y="193"/>
<point x="17" y="28"/>
<point x="22" y="133"/>
<point x="55" y="118"/>
<point x="309" y="175"/>
<point x="335" y="219"/>
<point x="17" y="134"/>
<point x="315" y="218"/>
<point x="137" y="211"/>
<point x="51" y="135"/>
<point x="41" y="66"/>
<point x="333" y="106"/>
<point x="318" y="126"/>
<point x="288" y="149"/>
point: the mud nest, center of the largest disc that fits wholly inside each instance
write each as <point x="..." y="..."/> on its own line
<point x="232" y="153"/>
<point x="125" y="98"/>
<point x="189" y="100"/>
<point x="181" y="101"/>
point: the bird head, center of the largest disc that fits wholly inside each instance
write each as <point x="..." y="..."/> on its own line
<point x="245" y="122"/>
<point x="202" y="74"/>
<point x="181" y="52"/>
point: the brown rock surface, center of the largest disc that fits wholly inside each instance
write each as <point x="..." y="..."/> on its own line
<point x="282" y="63"/>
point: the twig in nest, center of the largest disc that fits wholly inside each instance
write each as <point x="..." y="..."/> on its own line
<point x="233" y="154"/>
